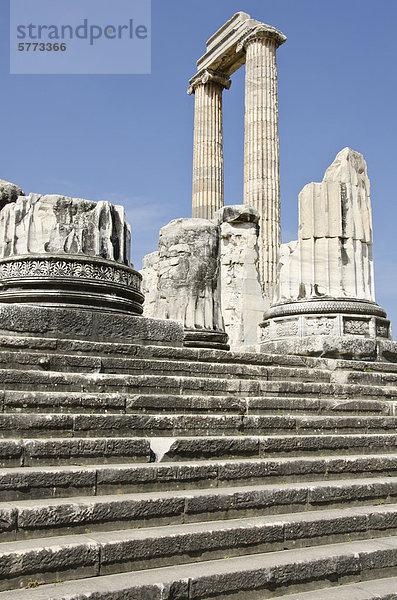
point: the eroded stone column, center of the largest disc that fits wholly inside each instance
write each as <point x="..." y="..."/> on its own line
<point x="207" y="195"/>
<point x="261" y="144"/>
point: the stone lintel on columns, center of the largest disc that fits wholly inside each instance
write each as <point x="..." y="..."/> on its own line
<point x="220" y="52"/>
<point x="225" y="53"/>
<point x="227" y="30"/>
<point x="205" y="76"/>
<point x="260" y="31"/>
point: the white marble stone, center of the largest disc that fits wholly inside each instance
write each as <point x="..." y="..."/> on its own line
<point x="261" y="145"/>
<point x="149" y="272"/>
<point x="221" y="47"/>
<point x="57" y="225"/>
<point x="241" y="293"/>
<point x="206" y="274"/>
<point x="241" y="40"/>
<point x="9" y="192"/>
<point x="188" y="274"/>
<point x="207" y="194"/>
<point x="333" y="254"/>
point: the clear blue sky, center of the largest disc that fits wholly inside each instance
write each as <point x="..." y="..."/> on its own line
<point x="128" y="138"/>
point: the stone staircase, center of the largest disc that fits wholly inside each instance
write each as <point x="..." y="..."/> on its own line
<point x="154" y="473"/>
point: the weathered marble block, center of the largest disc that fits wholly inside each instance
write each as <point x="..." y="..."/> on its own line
<point x="206" y="275"/>
<point x="9" y="192"/>
<point x="65" y="272"/>
<point x="333" y="254"/>
<point x="188" y="274"/>
<point x="150" y="264"/>
<point x="241" y="293"/>
<point x="326" y="298"/>
<point x="61" y="251"/>
<point x="59" y="225"/>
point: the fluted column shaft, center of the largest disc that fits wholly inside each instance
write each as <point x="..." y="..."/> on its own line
<point x="261" y="150"/>
<point x="207" y="195"/>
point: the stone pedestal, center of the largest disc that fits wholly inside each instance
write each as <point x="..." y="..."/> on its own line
<point x="50" y="279"/>
<point x="329" y="327"/>
<point x="92" y="324"/>
<point x="261" y="144"/>
<point x="207" y="196"/>
<point x="65" y="272"/>
<point x="67" y="251"/>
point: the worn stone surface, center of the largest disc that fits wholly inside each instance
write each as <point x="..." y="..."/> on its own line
<point x="230" y="466"/>
<point x="129" y="549"/>
<point x="150" y="265"/>
<point x="333" y="254"/>
<point x="57" y="224"/>
<point x="9" y="192"/>
<point x="73" y="323"/>
<point x="326" y="298"/>
<point x="241" y="293"/>
<point x="233" y="297"/>
<point x="188" y="274"/>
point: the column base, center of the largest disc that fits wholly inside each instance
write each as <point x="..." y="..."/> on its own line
<point x="206" y="338"/>
<point x="89" y="324"/>
<point x="69" y="280"/>
<point x="329" y="327"/>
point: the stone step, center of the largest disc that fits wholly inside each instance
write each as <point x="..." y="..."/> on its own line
<point x="14" y="379"/>
<point x="84" y="402"/>
<point x="371" y="378"/>
<point x="91" y="511"/>
<point x="112" y="349"/>
<point x="47" y="481"/>
<point x="211" y="447"/>
<point x="140" y="366"/>
<point x="376" y="589"/>
<point x="243" y="578"/>
<point x="103" y="553"/>
<point x="171" y="425"/>
<point x="155" y="403"/>
<point x="27" y="452"/>
<point x="28" y="401"/>
<point x="74" y="451"/>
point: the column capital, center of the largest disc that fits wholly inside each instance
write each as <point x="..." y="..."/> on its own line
<point x="260" y="32"/>
<point x="203" y="77"/>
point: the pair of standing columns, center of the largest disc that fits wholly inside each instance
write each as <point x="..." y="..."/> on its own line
<point x="261" y="143"/>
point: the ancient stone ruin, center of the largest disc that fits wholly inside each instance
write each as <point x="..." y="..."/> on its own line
<point x="140" y="457"/>
<point x="326" y="297"/>
<point x="314" y="296"/>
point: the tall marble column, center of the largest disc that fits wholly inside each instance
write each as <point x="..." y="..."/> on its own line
<point x="207" y="195"/>
<point x="261" y="144"/>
